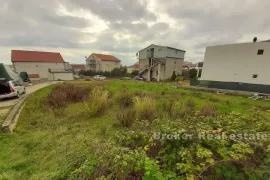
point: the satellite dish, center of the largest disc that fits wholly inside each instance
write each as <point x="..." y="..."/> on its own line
<point x="255" y="39"/>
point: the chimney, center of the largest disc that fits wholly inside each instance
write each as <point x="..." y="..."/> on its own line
<point x="255" y="39"/>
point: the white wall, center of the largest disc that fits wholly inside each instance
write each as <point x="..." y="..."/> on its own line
<point x="175" y="53"/>
<point x="237" y="63"/>
<point x="109" y="65"/>
<point x="102" y="65"/>
<point x="173" y="64"/>
<point x="65" y="76"/>
<point x="37" y="67"/>
<point x="97" y="60"/>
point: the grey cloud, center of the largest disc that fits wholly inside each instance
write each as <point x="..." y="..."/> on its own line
<point x="33" y="23"/>
<point x="114" y="10"/>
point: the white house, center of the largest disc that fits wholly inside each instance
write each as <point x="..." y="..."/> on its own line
<point x="102" y="62"/>
<point x="159" y="62"/>
<point x="244" y="66"/>
<point x="49" y="65"/>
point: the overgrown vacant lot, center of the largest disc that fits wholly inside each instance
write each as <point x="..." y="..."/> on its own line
<point x="123" y="130"/>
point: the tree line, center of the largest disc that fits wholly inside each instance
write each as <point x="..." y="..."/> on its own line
<point x="116" y="72"/>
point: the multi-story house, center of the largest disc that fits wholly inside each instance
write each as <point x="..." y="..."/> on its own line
<point x="102" y="62"/>
<point x="159" y="62"/>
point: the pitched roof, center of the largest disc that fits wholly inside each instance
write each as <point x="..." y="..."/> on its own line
<point x="36" y="56"/>
<point x="33" y="75"/>
<point x="135" y="66"/>
<point x="105" y="57"/>
<point x="78" y="66"/>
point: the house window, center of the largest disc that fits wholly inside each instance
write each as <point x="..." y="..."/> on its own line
<point x="255" y="76"/>
<point x="176" y="51"/>
<point x="260" y="52"/>
<point x="159" y="50"/>
<point x="174" y="62"/>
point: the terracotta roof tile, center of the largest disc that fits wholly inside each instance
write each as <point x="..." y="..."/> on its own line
<point x="135" y="66"/>
<point x="105" y="57"/>
<point x="33" y="76"/>
<point x="36" y="56"/>
<point x="78" y="66"/>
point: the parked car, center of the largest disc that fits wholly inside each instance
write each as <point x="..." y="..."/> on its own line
<point x="139" y="78"/>
<point x="99" y="77"/>
<point x="10" y="88"/>
<point x="126" y="78"/>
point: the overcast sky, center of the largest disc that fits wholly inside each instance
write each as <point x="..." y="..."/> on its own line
<point x="77" y="28"/>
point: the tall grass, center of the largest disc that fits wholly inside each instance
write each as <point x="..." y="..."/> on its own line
<point x="125" y="99"/>
<point x="145" y="108"/>
<point x="97" y="101"/>
<point x="126" y="117"/>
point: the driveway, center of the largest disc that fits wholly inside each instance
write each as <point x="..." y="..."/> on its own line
<point x="29" y="90"/>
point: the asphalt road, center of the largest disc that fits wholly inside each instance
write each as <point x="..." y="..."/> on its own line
<point x="29" y="90"/>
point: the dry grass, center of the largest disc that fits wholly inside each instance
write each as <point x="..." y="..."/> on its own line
<point x="63" y="94"/>
<point x="208" y="110"/>
<point x="126" y="117"/>
<point x="125" y="99"/>
<point x="145" y="108"/>
<point x="97" y="101"/>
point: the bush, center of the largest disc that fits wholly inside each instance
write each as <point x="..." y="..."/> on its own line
<point x="180" y="111"/>
<point x="63" y="94"/>
<point x="213" y="99"/>
<point x="97" y="101"/>
<point x="125" y="100"/>
<point x="190" y="104"/>
<point x="126" y="117"/>
<point x="208" y="110"/>
<point x="192" y="73"/>
<point x="145" y="109"/>
<point x="173" y="76"/>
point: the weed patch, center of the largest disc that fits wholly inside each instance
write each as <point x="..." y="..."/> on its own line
<point x="208" y="110"/>
<point x="63" y="94"/>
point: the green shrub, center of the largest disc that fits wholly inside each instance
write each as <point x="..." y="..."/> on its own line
<point x="63" y="94"/>
<point x="97" y="101"/>
<point x="179" y="78"/>
<point x="213" y="99"/>
<point x="145" y="108"/>
<point x="208" y="110"/>
<point x="126" y="117"/>
<point x="192" y="73"/>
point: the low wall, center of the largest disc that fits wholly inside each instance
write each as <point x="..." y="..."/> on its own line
<point x="238" y="86"/>
<point x="62" y="76"/>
